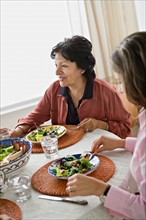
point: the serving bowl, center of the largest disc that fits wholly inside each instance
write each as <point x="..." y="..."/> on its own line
<point x="18" y="162"/>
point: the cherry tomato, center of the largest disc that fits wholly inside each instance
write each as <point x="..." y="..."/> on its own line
<point x="62" y="171"/>
<point x="84" y="170"/>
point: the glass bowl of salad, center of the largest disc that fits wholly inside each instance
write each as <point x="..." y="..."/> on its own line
<point x="67" y="166"/>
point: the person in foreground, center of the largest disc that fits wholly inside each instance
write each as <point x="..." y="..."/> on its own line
<point x="77" y="97"/>
<point x="129" y="200"/>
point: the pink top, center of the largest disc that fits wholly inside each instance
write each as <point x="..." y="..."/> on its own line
<point x="105" y="105"/>
<point x="120" y="201"/>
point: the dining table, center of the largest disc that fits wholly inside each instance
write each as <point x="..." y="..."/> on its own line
<point x="41" y="209"/>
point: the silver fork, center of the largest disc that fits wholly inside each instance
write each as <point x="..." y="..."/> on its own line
<point x="86" y="153"/>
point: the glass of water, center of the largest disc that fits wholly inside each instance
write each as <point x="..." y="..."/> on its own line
<point x="1" y="181"/>
<point x="49" y="144"/>
<point x="20" y="187"/>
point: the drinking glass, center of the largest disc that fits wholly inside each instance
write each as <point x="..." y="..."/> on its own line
<point x="49" y="144"/>
<point x="1" y="181"/>
<point x="20" y="187"/>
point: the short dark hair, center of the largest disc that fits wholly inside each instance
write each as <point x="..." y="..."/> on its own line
<point x="77" y="49"/>
<point x="129" y="59"/>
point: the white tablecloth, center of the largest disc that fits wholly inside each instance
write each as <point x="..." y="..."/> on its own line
<point x="39" y="209"/>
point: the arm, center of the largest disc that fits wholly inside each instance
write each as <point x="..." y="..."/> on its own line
<point x="35" y="118"/>
<point x="127" y="204"/>
<point x="104" y="110"/>
<point x="118" y="118"/>
<point x="119" y="202"/>
<point x="106" y="143"/>
<point x="40" y="114"/>
<point x="117" y="122"/>
<point x="130" y="144"/>
<point x="89" y="124"/>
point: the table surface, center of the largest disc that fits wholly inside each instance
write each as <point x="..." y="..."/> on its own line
<point x="40" y="209"/>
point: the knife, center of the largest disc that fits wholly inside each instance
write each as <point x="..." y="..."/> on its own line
<point x="57" y="198"/>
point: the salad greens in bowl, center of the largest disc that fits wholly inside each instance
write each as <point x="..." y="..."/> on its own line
<point x="36" y="135"/>
<point x="71" y="164"/>
<point x="14" y="155"/>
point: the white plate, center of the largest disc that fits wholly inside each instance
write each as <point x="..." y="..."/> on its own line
<point x="94" y="161"/>
<point x="61" y="130"/>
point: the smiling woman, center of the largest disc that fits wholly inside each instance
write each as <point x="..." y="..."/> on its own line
<point x="68" y="100"/>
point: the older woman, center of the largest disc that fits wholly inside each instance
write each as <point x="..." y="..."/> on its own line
<point x="77" y="97"/>
<point x="129" y="200"/>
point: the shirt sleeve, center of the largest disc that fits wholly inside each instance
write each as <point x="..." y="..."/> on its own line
<point x="118" y="118"/>
<point x="122" y="203"/>
<point x="130" y="144"/>
<point x="41" y="113"/>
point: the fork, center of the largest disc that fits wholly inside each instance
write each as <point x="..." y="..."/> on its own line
<point x="86" y="153"/>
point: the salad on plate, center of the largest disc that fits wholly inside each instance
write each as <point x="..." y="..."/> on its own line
<point x="71" y="164"/>
<point x="37" y="134"/>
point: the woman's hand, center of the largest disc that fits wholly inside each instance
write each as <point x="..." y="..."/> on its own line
<point x="107" y="143"/>
<point x="15" y="134"/>
<point x="89" y="124"/>
<point x="19" y="131"/>
<point x="81" y="185"/>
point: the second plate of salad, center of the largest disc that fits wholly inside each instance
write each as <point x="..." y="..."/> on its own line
<point x="37" y="134"/>
<point x="71" y="164"/>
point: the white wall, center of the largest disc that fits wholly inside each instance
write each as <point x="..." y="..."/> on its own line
<point x="9" y="120"/>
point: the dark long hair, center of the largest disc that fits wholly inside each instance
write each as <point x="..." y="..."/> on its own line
<point x="77" y="49"/>
<point x="129" y="59"/>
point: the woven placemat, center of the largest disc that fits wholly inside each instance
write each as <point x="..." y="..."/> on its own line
<point x="44" y="183"/>
<point x="10" y="209"/>
<point x="70" y="138"/>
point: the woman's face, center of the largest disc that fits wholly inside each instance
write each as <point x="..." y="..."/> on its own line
<point x="68" y="73"/>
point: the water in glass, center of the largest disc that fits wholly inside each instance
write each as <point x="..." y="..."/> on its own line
<point x="20" y="186"/>
<point x="50" y="146"/>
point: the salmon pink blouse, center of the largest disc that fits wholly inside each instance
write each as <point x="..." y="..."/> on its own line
<point x="105" y="104"/>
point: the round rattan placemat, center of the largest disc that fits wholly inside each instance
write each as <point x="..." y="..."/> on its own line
<point x="70" y="138"/>
<point x="10" y="209"/>
<point x="44" y="183"/>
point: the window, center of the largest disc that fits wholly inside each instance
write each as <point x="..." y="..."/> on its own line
<point x="141" y="14"/>
<point x="29" y="31"/>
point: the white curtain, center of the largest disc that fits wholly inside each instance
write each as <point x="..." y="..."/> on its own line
<point x="108" y="22"/>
